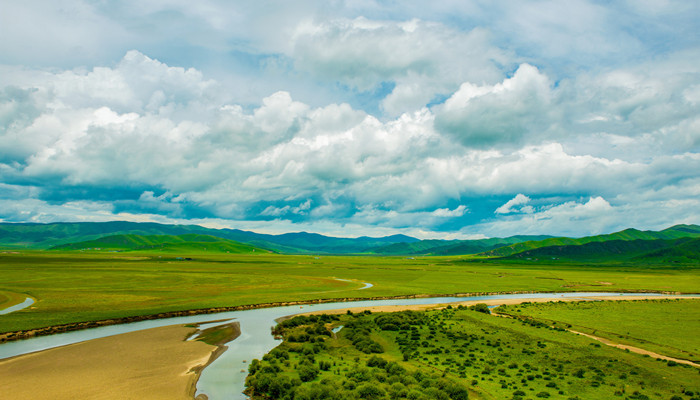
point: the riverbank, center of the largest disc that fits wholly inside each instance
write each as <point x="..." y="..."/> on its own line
<point x="492" y="302"/>
<point x="155" y="364"/>
<point x="54" y="329"/>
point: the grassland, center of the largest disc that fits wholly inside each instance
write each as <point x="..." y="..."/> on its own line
<point x="668" y="327"/>
<point x="87" y="286"/>
<point x="437" y="354"/>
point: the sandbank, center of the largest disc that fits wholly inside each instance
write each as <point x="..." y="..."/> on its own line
<point x="151" y="364"/>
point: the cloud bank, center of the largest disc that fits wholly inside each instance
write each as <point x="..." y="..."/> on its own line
<point x="357" y="121"/>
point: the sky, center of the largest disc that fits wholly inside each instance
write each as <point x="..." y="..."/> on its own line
<point x="449" y="119"/>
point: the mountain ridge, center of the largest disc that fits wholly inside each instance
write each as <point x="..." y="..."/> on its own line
<point x="132" y="235"/>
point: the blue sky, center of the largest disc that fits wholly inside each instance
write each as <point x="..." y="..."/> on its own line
<point x="458" y="119"/>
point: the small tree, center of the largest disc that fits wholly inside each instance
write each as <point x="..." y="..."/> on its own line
<point x="481" y="307"/>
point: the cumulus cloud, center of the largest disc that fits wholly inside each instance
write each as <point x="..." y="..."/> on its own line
<point x="511" y="206"/>
<point x="363" y="52"/>
<point x="446" y="212"/>
<point x="482" y="116"/>
<point x="421" y="59"/>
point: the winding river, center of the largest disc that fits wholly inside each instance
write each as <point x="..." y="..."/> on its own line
<point x="225" y="377"/>
<point x="26" y="303"/>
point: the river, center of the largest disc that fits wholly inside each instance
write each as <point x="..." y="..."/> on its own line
<point x="26" y="303"/>
<point x="225" y="377"/>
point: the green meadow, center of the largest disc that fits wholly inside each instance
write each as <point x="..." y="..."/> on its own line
<point x="668" y="327"/>
<point x="457" y="354"/>
<point x="87" y="286"/>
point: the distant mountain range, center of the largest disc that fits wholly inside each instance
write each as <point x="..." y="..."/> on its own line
<point x="451" y="247"/>
<point x="82" y="234"/>
<point x="680" y="243"/>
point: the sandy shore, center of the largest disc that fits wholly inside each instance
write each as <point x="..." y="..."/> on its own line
<point x="151" y="364"/>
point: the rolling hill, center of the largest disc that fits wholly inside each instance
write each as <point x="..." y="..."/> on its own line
<point x="687" y="251"/>
<point x="187" y="243"/>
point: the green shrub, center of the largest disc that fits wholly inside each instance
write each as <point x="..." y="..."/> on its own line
<point x="369" y="391"/>
<point x="307" y="372"/>
<point x="481" y="307"/>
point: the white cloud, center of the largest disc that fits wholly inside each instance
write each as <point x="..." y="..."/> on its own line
<point x="482" y="116"/>
<point x="593" y="216"/>
<point x="423" y="59"/>
<point x="510" y="206"/>
<point x="447" y="213"/>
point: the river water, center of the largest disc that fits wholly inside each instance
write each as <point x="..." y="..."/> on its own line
<point x="225" y="377"/>
<point x="26" y="303"/>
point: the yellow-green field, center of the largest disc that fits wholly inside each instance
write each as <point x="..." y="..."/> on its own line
<point x="74" y="287"/>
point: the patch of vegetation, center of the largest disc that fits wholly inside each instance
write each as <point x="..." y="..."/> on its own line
<point x="219" y="335"/>
<point x="326" y="368"/>
<point x="457" y="354"/>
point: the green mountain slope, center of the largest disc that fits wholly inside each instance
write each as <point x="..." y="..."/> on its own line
<point x="687" y="251"/>
<point x="450" y="247"/>
<point x="606" y="250"/>
<point x="477" y="246"/>
<point x="169" y="243"/>
<point x="44" y="236"/>
<point x="421" y="247"/>
<point x="675" y="232"/>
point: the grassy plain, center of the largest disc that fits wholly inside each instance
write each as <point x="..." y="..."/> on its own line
<point x="668" y="327"/>
<point x="87" y="286"/>
<point x="432" y="354"/>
